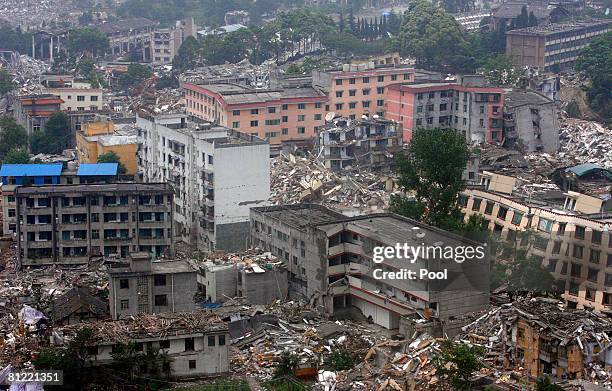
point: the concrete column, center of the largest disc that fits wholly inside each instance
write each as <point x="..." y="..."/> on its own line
<point x="51" y="49"/>
<point x="33" y="47"/>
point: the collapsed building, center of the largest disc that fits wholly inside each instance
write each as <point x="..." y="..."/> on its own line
<point x="361" y="143"/>
<point x="571" y="233"/>
<point x="328" y="256"/>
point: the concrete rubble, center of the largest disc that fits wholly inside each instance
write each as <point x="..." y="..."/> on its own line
<point x="304" y="179"/>
<point x="585" y="142"/>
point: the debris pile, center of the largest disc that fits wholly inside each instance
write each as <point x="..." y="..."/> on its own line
<point x="304" y="179"/>
<point x="585" y="142"/>
<point x="27" y="72"/>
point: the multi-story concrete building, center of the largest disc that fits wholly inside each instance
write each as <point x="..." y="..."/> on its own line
<point x="69" y="224"/>
<point x="530" y="121"/>
<point x="361" y="89"/>
<point x="329" y="259"/>
<point x="197" y="343"/>
<point x="468" y="105"/>
<point x="145" y="287"/>
<point x="129" y="34"/>
<point x="80" y="96"/>
<point x="290" y="114"/>
<point x="545" y="12"/>
<point x="572" y="241"/>
<point x="359" y="143"/>
<point x="100" y="137"/>
<point x="553" y="46"/>
<point x="217" y="173"/>
<point x="33" y="111"/>
<point x="14" y="175"/>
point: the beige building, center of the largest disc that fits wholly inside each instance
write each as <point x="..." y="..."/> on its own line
<point x="79" y="97"/>
<point x="573" y="239"/>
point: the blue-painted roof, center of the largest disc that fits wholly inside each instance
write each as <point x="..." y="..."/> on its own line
<point x="583" y="169"/>
<point x="98" y="169"/>
<point x="20" y="170"/>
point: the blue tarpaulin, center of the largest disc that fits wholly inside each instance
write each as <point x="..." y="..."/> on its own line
<point x="98" y="169"/>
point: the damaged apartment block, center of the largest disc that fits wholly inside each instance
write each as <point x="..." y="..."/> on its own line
<point x="345" y="143"/>
<point x="70" y="224"/>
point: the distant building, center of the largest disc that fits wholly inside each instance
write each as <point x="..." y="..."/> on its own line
<point x="470" y="21"/>
<point x="197" y="343"/>
<point x="146" y="287"/>
<point x="329" y="260"/>
<point x="530" y="122"/>
<point x="33" y="111"/>
<point x="70" y="224"/>
<point x="128" y="34"/>
<point x="468" y="105"/>
<point x="217" y="174"/>
<point x="555" y="45"/>
<point x="99" y="138"/>
<point x="237" y="17"/>
<point x="359" y="143"/>
<point x="221" y="30"/>
<point x="544" y="12"/>
<point x="79" y="96"/>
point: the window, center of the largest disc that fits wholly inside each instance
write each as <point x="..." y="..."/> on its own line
<point x="502" y="212"/>
<point x="352" y="80"/>
<point x="366" y="103"/>
<point x="339" y="94"/>
<point x="430" y="107"/>
<point x="596" y="237"/>
<point x="393" y="77"/>
<point x="211" y="340"/>
<point x="318" y="117"/>
<point x="222" y="340"/>
<point x="419" y="122"/>
<point x="564" y="269"/>
<point x="556" y="247"/>
<point x="576" y="269"/>
<point x="301" y="130"/>
<point x="592" y="274"/>
<point x="93" y="98"/>
<point x="285" y="118"/>
<point x="159" y="280"/>
<point x="608" y="281"/>
<point x="366" y="79"/>
<point x="580" y="231"/>
<point x="552" y="265"/>
<point x="271" y="110"/>
<point x="318" y="106"/>
<point x="254" y="123"/>
<point x="301" y="118"/>
<point x="366" y="91"/>
<point x="189" y="344"/>
<point x="443" y="107"/>
<point x="271" y="122"/>
<point x="381" y="78"/>
<point x="254" y="111"/>
<point x="161" y="300"/>
<point x="380" y="90"/>
<point x="338" y="106"/>
<point x="561" y="229"/>
<point x="516" y="218"/>
<point x="235" y="112"/>
<point x="489" y="208"/>
<point x="419" y="109"/>
<point x="236" y="124"/>
<point x="609" y="261"/>
<point x="80" y="98"/>
<point x="165" y="344"/>
<point x="540" y="243"/>
<point x="481" y="122"/>
<point x="578" y="251"/>
<point x="285" y="131"/>
<point x="573" y="289"/>
<point x="302" y="106"/>
<point x="192" y="364"/>
<point x="594" y="256"/>
<point x="125" y="304"/>
<point x="338" y="82"/>
<point x="476" y="204"/>
<point x="124" y="283"/>
<point x="545" y="225"/>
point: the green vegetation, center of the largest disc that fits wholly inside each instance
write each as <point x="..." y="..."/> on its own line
<point x="111" y="157"/>
<point x="341" y="359"/>
<point x="594" y="62"/>
<point x="17" y="156"/>
<point x="55" y="138"/>
<point x="12" y="136"/>
<point x="431" y="170"/>
<point x="499" y="71"/>
<point x="284" y="384"/>
<point x="6" y="82"/>
<point x="573" y="110"/>
<point x="458" y="361"/>
<point x="86" y="68"/>
<point x="135" y="74"/>
<point x="544" y="384"/>
<point x="287" y="364"/>
<point x="87" y="40"/>
<point x="14" y="39"/>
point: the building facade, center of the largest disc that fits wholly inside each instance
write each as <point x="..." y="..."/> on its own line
<point x="573" y="240"/>
<point x="146" y="287"/>
<point x="329" y="260"/>
<point x="33" y="111"/>
<point x="553" y="46"/>
<point x="469" y="106"/>
<point x="70" y="224"/>
<point x="217" y="174"/>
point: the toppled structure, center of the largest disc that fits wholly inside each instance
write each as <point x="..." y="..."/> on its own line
<point x="541" y="337"/>
<point x="585" y="141"/>
<point x="365" y="143"/>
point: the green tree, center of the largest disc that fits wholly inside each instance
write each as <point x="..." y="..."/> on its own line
<point x="432" y="36"/>
<point x="6" y="82"/>
<point x="87" y="39"/>
<point x="111" y="157"/>
<point x="17" y="156"/>
<point x="573" y="110"/>
<point x="431" y="171"/>
<point x="594" y="62"/>
<point x="458" y="361"/>
<point x="12" y="135"/>
<point x="287" y="364"/>
<point x="544" y="384"/>
<point x="341" y="359"/>
<point x="56" y="137"/>
<point x="135" y="74"/>
<point x="188" y="55"/>
<point x="499" y="71"/>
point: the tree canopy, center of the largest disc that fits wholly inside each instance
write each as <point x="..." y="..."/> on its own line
<point x="17" y="156"/>
<point x="87" y="39"/>
<point x="112" y="157"/>
<point x="12" y="135"/>
<point x="458" y="361"/>
<point x="135" y="74"/>
<point x="594" y="62"/>
<point x="499" y="71"/>
<point x="431" y="171"/>
<point x="55" y="138"/>
<point x="6" y="82"/>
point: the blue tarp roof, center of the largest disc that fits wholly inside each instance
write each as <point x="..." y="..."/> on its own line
<point x="583" y="169"/>
<point x="98" y="169"/>
<point x="19" y="170"/>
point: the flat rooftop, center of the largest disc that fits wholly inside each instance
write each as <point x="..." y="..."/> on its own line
<point x="121" y="187"/>
<point x="300" y="215"/>
<point x="554" y="28"/>
<point x="159" y="267"/>
<point x="516" y="98"/>
<point x="237" y="94"/>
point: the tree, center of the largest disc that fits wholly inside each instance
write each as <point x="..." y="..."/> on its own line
<point x="458" y="361"/>
<point x="432" y="169"/>
<point x="12" y="135"/>
<point x="287" y="364"/>
<point x="111" y="157"/>
<point x="594" y="62"/>
<point x="56" y="137"/>
<point x="87" y="39"/>
<point x="499" y="71"/>
<point x="135" y="74"/>
<point x="432" y="36"/>
<point x="187" y="56"/>
<point x="17" y="156"/>
<point x="544" y="384"/>
<point x="6" y="82"/>
<point x="532" y="20"/>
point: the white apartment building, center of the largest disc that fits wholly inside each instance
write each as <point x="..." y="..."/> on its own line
<point x="217" y="174"/>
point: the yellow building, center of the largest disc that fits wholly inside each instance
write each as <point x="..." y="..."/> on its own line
<point x="99" y="137"/>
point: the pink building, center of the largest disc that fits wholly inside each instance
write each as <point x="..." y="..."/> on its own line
<point x="466" y="105"/>
<point x="288" y="115"/>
